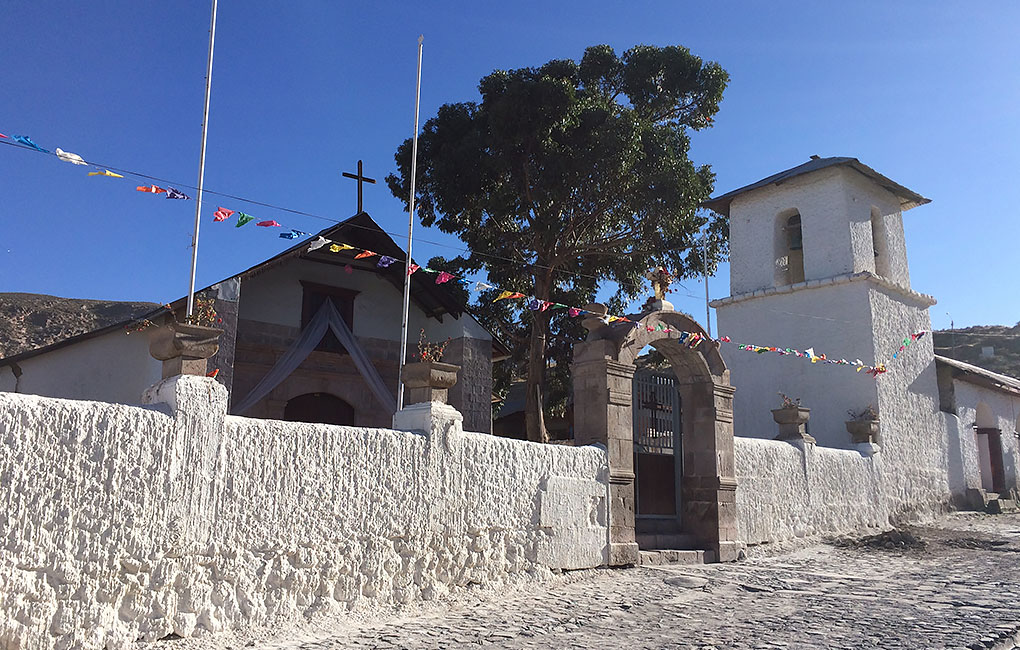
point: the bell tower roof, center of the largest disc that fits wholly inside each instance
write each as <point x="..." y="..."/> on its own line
<point x="908" y="198"/>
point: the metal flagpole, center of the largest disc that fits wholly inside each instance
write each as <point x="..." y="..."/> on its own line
<point x="410" y="228"/>
<point x="704" y="261"/>
<point x="201" y="164"/>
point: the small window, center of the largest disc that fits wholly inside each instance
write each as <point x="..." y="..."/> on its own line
<point x="343" y="299"/>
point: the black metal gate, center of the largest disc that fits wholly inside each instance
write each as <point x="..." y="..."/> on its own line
<point x="658" y="453"/>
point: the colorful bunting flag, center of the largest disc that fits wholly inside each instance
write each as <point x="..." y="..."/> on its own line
<point x="27" y="141"/>
<point x="2" y="135"/>
<point x="272" y="223"/>
<point x="150" y="188"/>
<point x="365" y="253"/>
<point x="482" y="285"/>
<point x="336" y="248"/>
<point x="444" y="277"/>
<point x="573" y="312"/>
<point x="412" y="267"/>
<point x="508" y="294"/>
<point x="293" y="234"/>
<point x="222" y="214"/>
<point x="385" y="261"/>
<point x="242" y="219"/>
<point x="171" y="193"/>
<point x="319" y="242"/>
<point x="67" y="156"/>
<point x="105" y="172"/>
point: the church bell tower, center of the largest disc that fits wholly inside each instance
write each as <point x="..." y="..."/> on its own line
<point x="818" y="260"/>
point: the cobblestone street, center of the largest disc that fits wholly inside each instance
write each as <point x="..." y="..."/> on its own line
<point x="956" y="588"/>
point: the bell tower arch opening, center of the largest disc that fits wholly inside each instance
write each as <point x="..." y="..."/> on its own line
<point x="789" y="248"/>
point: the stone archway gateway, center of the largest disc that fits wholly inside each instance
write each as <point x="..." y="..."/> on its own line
<point x="603" y="372"/>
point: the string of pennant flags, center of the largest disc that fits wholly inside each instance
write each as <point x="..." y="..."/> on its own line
<point x="689" y="339"/>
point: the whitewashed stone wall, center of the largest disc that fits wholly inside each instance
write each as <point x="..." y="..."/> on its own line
<point x="786" y="492"/>
<point x="123" y="523"/>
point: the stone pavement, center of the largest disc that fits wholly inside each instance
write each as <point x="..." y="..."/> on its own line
<point x="959" y="587"/>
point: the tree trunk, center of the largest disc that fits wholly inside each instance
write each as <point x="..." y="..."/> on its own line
<point x="534" y="417"/>
<point x="533" y="412"/>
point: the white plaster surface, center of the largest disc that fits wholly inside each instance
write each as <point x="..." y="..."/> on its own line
<point x="835" y="321"/>
<point x="124" y="523"/>
<point x="786" y="492"/>
<point x="111" y="367"/>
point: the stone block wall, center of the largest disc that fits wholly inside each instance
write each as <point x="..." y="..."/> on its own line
<point x="124" y="523"/>
<point x="472" y="394"/>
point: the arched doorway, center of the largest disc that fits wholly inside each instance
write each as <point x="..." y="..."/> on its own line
<point x="319" y="407"/>
<point x="603" y="372"/>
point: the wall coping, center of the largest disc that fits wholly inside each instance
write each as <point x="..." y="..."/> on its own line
<point x="845" y="278"/>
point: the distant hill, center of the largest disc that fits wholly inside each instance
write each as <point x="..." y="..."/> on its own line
<point x="31" y="320"/>
<point x="1005" y="342"/>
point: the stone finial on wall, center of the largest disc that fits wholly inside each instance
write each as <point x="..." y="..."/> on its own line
<point x="792" y="421"/>
<point x="184" y="348"/>
<point x="428" y="381"/>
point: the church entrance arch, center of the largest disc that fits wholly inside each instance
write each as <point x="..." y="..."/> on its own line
<point x="603" y="373"/>
<point x="319" y="407"/>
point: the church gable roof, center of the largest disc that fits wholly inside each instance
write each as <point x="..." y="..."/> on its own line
<point x="908" y="198"/>
<point x="363" y="232"/>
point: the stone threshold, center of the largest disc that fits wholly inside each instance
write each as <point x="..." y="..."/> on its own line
<point x="658" y="557"/>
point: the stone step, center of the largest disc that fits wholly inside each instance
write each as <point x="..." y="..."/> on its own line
<point x="676" y="556"/>
<point x="654" y="541"/>
<point x="999" y="506"/>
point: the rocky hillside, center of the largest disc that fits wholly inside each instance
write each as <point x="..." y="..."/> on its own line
<point x="30" y="320"/>
<point x="1004" y="341"/>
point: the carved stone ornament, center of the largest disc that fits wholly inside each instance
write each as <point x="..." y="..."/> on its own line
<point x="184" y="348"/>
<point x="792" y="421"/>
<point x="184" y="340"/>
<point x="428" y="381"/>
<point x="862" y="431"/>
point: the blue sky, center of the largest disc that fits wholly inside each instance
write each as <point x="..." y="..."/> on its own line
<point x="926" y="93"/>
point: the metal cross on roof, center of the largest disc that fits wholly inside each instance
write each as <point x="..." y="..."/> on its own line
<point x="361" y="178"/>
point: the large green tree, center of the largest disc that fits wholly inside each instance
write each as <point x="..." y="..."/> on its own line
<point x="566" y="177"/>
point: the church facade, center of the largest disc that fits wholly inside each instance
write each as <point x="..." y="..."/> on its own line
<point x="263" y="312"/>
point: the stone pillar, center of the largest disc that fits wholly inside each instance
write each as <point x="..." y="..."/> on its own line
<point x="602" y="415"/>
<point x="472" y="394"/>
<point x="709" y="484"/>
